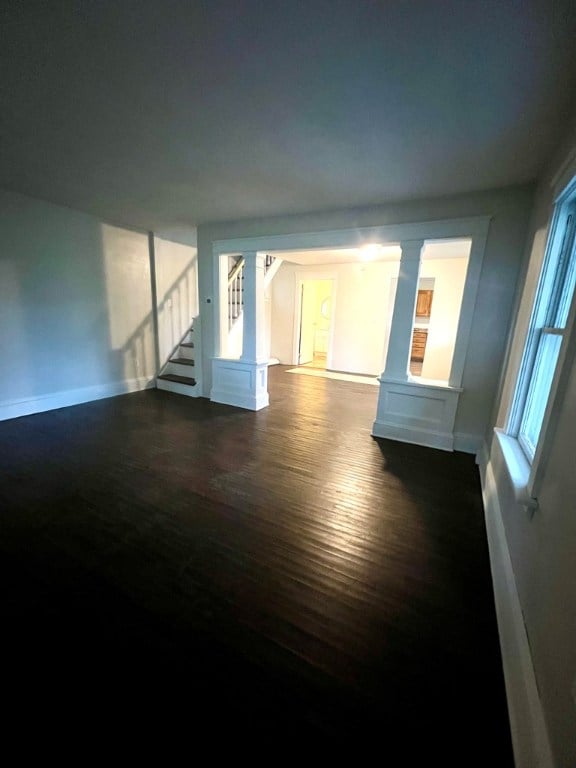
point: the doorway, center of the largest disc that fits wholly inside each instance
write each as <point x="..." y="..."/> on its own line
<point x="315" y="322"/>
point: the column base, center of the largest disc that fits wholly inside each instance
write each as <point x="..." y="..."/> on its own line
<point x="241" y="383"/>
<point x="417" y="413"/>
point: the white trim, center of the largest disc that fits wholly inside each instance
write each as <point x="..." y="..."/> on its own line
<point x="521" y="377"/>
<point x="12" y="409"/>
<point x="518" y="468"/>
<point x="482" y="456"/>
<point x="198" y="361"/>
<point x="355" y="237"/>
<point x="421" y="383"/>
<point x="416" y="436"/>
<point x="558" y="389"/>
<point x="566" y="356"/>
<point x="416" y="413"/>
<point x="271" y="271"/>
<point x="241" y="383"/>
<point x="220" y="293"/>
<point x="527" y="723"/>
<point x="248" y="402"/>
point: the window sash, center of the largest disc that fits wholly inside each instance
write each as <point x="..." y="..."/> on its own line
<point x="547" y="329"/>
<point x="568" y="281"/>
<point x="547" y="354"/>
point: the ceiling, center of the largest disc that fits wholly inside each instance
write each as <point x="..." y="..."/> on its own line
<point x="170" y="113"/>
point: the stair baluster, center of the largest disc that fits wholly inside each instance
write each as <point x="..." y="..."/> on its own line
<point x="235" y="292"/>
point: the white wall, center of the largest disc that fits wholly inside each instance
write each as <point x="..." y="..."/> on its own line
<point x="542" y="547"/>
<point x="360" y="312"/>
<point x="323" y="322"/>
<point x="176" y="292"/>
<point x="235" y="339"/>
<point x="449" y="278"/>
<point x="76" y="318"/>
<point x="282" y="308"/>
<point x="75" y="307"/>
<point x="509" y="209"/>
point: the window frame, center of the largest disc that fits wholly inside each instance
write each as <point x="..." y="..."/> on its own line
<point x="559" y="259"/>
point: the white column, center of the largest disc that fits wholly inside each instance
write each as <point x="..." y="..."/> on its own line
<point x="409" y="410"/>
<point x="244" y="382"/>
<point x="254" y="334"/>
<point x="221" y="281"/>
<point x="400" y="340"/>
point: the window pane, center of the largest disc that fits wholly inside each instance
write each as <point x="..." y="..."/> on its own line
<point x="539" y="390"/>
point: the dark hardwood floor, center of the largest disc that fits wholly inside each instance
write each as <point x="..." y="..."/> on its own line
<point x="279" y="575"/>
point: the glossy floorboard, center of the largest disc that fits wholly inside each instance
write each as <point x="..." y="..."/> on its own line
<point x="278" y="577"/>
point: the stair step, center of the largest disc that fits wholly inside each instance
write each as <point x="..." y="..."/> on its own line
<point x="188" y="344"/>
<point x="182" y="360"/>
<point x="178" y="379"/>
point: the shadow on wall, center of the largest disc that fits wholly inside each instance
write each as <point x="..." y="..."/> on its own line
<point x="76" y="303"/>
<point x="128" y="294"/>
<point x="177" y="293"/>
<point x="128" y="288"/>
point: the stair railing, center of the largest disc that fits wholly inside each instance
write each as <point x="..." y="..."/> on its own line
<point x="235" y="292"/>
<point x="236" y="288"/>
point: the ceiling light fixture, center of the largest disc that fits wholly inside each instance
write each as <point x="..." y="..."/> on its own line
<point x="370" y="251"/>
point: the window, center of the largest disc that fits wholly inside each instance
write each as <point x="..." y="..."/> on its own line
<point x="547" y="330"/>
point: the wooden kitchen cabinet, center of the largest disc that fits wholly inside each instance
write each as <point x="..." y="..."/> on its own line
<point x="424" y="303"/>
<point x="419" y="339"/>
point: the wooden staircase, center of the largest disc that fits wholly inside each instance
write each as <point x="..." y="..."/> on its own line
<point x="181" y="373"/>
<point x="178" y="374"/>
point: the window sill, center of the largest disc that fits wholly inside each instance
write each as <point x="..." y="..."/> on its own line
<point x="518" y="469"/>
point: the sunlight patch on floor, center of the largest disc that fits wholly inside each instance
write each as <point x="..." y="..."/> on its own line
<point x="338" y="376"/>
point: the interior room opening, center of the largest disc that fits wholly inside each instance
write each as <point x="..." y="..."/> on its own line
<point x="314" y="340"/>
<point x="442" y="277"/>
<point x="332" y="308"/>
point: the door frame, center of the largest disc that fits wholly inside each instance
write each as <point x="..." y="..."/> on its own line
<point x="299" y="278"/>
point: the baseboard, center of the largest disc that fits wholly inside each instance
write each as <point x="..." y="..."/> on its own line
<point x="12" y="409"/>
<point x="466" y="442"/>
<point x="482" y="458"/>
<point x="527" y="724"/>
<point x="239" y="400"/>
<point x="404" y="434"/>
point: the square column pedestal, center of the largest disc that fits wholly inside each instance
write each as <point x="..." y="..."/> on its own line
<point x="240" y="383"/>
<point x="414" y="412"/>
